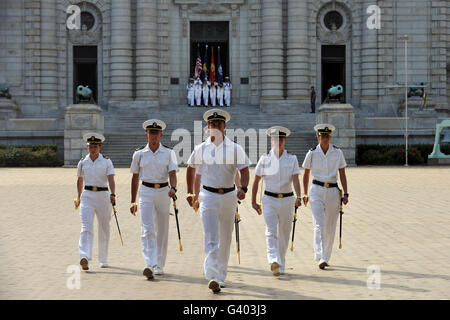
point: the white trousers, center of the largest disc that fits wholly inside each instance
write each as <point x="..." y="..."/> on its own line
<point x="155" y="207"/>
<point x="227" y="94"/>
<point x="212" y="94"/>
<point x="205" y="97"/>
<point x="198" y="97"/>
<point x="92" y="204"/>
<point x="325" y="210"/>
<point x="220" y="99"/>
<point x="191" y="96"/>
<point x="279" y="214"/>
<point x="217" y="212"/>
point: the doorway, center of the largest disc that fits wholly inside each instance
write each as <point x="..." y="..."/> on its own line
<point x="333" y="69"/>
<point x="85" y="69"/>
<point x="214" y="34"/>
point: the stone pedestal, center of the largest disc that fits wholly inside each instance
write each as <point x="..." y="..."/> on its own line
<point x="80" y="119"/>
<point x="342" y="117"/>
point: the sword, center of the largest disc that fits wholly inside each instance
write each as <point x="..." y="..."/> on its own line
<point x="236" y="224"/>
<point x="293" y="228"/>
<point x="341" y="212"/>
<point x="176" y="218"/>
<point x="117" y="222"/>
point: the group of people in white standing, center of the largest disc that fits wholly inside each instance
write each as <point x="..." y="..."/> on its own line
<point x="204" y="93"/>
<point x="156" y="166"/>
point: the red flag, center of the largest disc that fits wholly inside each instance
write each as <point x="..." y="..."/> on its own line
<point x="212" y="74"/>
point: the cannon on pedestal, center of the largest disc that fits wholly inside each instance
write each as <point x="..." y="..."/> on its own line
<point x="4" y="91"/>
<point x="84" y="95"/>
<point x="335" y="94"/>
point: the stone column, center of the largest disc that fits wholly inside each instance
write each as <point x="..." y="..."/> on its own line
<point x="79" y="120"/>
<point x="298" y="58"/>
<point x="342" y="116"/>
<point x="121" y="51"/>
<point x="49" y="54"/>
<point x="147" y="50"/>
<point x="272" y="51"/>
<point x="369" y="63"/>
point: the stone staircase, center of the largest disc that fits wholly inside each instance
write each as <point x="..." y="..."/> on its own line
<point x="124" y="132"/>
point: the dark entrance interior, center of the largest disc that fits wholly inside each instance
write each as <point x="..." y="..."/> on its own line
<point x="215" y="35"/>
<point x="85" y="69"/>
<point x="333" y="69"/>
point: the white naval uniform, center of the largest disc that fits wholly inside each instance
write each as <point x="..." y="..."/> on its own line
<point x="217" y="211"/>
<point x="278" y="213"/>
<point x="154" y="167"/>
<point x="206" y="93"/>
<point x="212" y="94"/>
<point x="191" y="94"/>
<point x="227" y="93"/>
<point x="220" y="95"/>
<point x="198" y="92"/>
<point x="95" y="203"/>
<point x="324" y="201"/>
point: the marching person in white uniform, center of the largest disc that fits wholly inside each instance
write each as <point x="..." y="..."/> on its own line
<point x="198" y="92"/>
<point x="206" y="85"/>
<point x="280" y="172"/>
<point x="227" y="91"/>
<point x="154" y="164"/>
<point x="212" y="93"/>
<point x="95" y="171"/>
<point x="324" y="162"/>
<point x="220" y="94"/>
<point x="191" y="92"/>
<point x="217" y="159"/>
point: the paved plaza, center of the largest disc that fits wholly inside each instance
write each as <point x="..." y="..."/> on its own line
<point x="397" y="222"/>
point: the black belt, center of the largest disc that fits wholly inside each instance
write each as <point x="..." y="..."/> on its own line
<point x="155" y="185"/>
<point x="326" y="185"/>
<point x="278" y="195"/>
<point x="91" y="188"/>
<point x="220" y="190"/>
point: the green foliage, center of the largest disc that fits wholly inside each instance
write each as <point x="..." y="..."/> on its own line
<point x="29" y="156"/>
<point x="374" y="154"/>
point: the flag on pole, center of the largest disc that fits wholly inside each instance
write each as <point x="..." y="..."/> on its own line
<point x="212" y="74"/>
<point x="198" y="63"/>
<point x="205" y="65"/>
<point x="220" y="74"/>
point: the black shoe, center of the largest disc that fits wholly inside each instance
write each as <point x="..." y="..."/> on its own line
<point x="84" y="264"/>
<point x="148" y="273"/>
<point x="214" y="286"/>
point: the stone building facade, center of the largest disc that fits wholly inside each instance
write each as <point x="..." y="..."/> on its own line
<point x="139" y="54"/>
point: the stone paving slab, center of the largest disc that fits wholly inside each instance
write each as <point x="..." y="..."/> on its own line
<point x="397" y="220"/>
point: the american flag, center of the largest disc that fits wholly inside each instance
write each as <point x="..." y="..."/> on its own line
<point x="198" y="64"/>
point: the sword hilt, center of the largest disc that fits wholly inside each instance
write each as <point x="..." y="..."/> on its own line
<point x="76" y="203"/>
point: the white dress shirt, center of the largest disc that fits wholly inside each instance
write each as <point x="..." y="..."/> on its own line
<point x="154" y="167"/>
<point x="218" y="164"/>
<point x="95" y="172"/>
<point x="324" y="167"/>
<point x="277" y="172"/>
